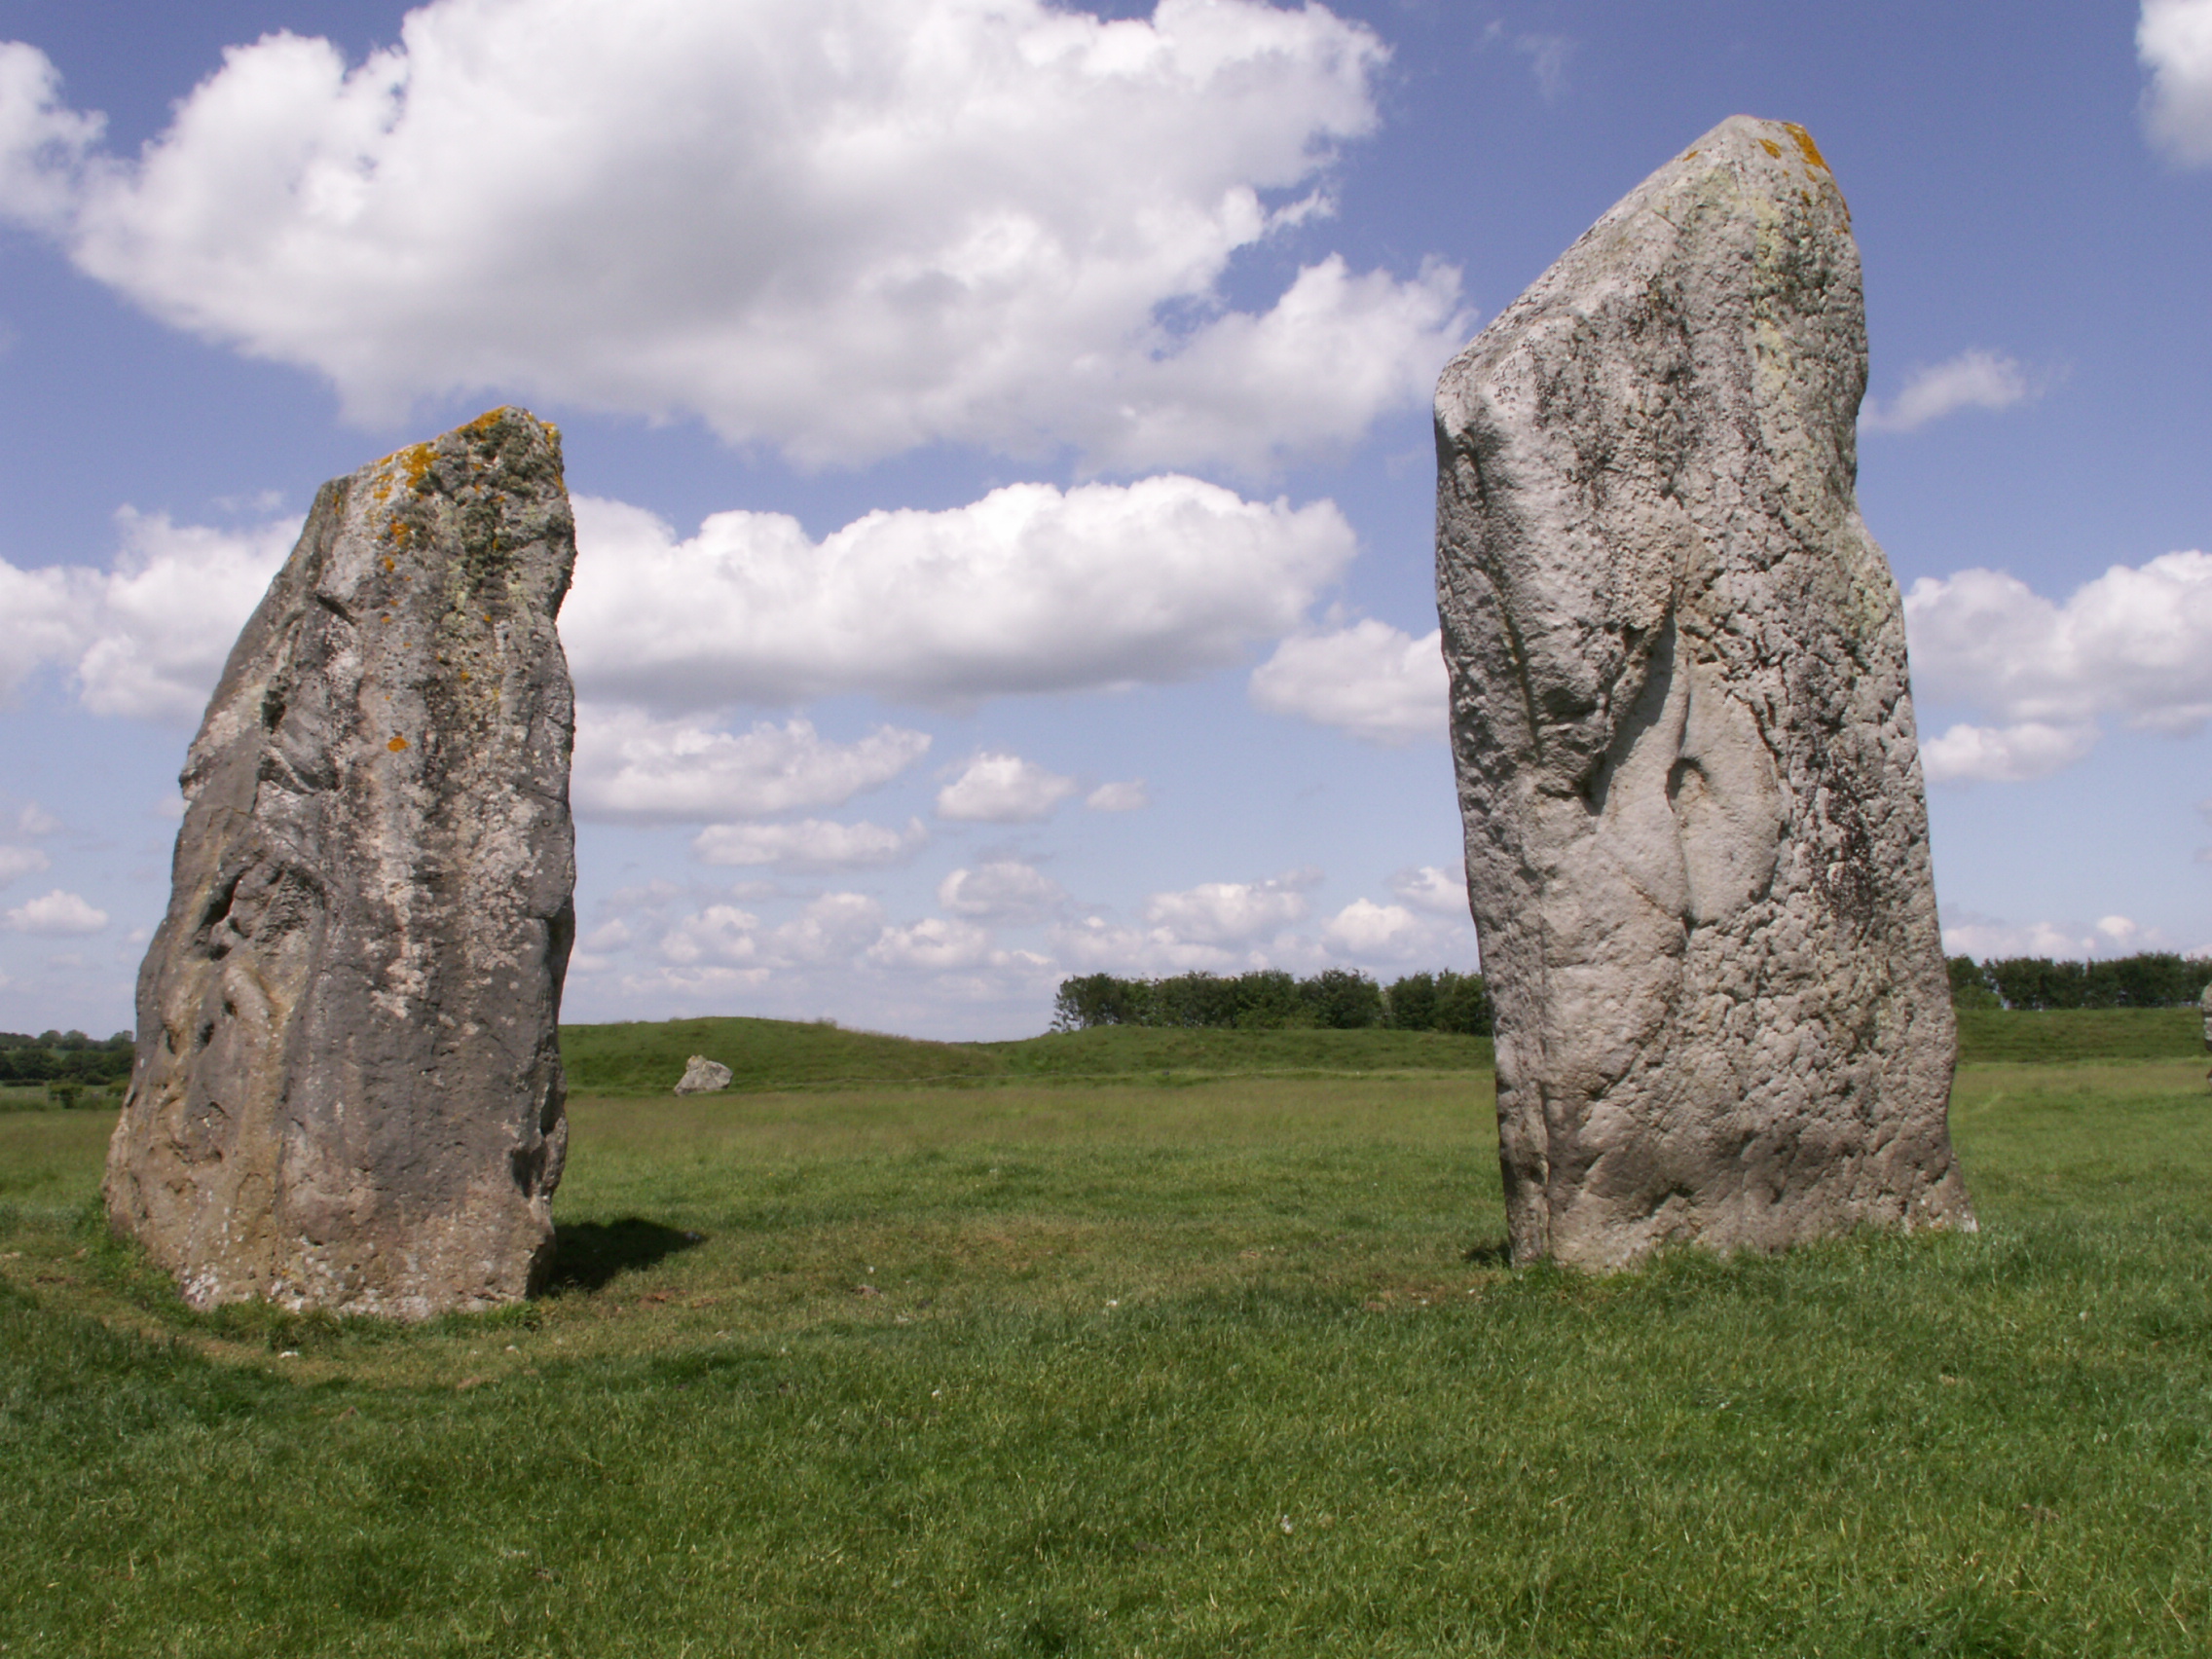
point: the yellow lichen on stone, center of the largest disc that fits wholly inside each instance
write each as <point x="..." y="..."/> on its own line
<point x="1770" y="146"/>
<point x="1813" y="156"/>
<point x="396" y="744"/>
<point x="414" y="461"/>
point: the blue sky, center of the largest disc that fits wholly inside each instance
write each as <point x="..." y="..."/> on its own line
<point x="1001" y="441"/>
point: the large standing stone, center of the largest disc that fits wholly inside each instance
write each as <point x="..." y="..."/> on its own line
<point x="1697" y="839"/>
<point x="347" y="1092"/>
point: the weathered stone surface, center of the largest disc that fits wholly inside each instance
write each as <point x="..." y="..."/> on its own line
<point x="1697" y="837"/>
<point x="348" y="1092"/>
<point x="701" y="1076"/>
<point x="2205" y="1006"/>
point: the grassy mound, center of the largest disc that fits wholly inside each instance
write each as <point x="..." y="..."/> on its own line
<point x="774" y="1053"/>
<point x="2079" y="1034"/>
<point x="647" y="1058"/>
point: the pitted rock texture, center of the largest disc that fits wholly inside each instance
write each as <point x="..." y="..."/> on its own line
<point x="701" y="1076"/>
<point x="1696" y="830"/>
<point x="348" y="1092"/>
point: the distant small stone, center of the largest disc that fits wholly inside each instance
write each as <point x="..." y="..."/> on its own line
<point x="701" y="1076"/>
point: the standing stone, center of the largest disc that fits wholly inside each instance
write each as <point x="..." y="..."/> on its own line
<point x="347" y="1092"/>
<point x="2204" y="1007"/>
<point x="701" y="1076"/>
<point x="1697" y="839"/>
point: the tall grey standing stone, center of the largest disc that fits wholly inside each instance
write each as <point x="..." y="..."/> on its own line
<point x="1696" y="833"/>
<point x="348" y="1092"/>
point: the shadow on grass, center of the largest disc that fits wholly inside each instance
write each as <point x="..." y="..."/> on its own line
<point x="586" y="1254"/>
<point x="1489" y="1254"/>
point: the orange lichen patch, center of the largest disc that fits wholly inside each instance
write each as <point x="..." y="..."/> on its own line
<point x="414" y="461"/>
<point x="389" y="565"/>
<point x="1813" y="156"/>
<point x="1689" y="154"/>
<point x="485" y="422"/>
<point x="1770" y="146"/>
<point x="396" y="744"/>
<point x="465" y="674"/>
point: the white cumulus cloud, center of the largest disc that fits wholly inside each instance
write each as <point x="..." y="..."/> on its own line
<point x="1003" y="788"/>
<point x="939" y="943"/>
<point x="1971" y="379"/>
<point x="2174" y="39"/>
<point x="146" y="636"/>
<point x="2134" y="643"/>
<point x="57" y="913"/>
<point x="1128" y="795"/>
<point x="169" y="612"/>
<point x="1003" y="890"/>
<point x="1364" y="931"/>
<point x="1432" y="888"/>
<point x="812" y="845"/>
<point x="19" y="861"/>
<point x="631" y="768"/>
<point x="2017" y="753"/>
<point x="720" y="934"/>
<point x="843" y="228"/>
<point x="43" y="144"/>
<point x="830" y="929"/>
<point x="1369" y="680"/>
<point x="1226" y="913"/>
<point x="1029" y="589"/>
<point x="1096" y="944"/>
<point x="1988" y="938"/>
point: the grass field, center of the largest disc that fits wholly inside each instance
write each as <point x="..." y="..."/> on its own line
<point x="1161" y="1351"/>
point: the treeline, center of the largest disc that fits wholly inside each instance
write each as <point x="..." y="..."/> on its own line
<point x="1270" y="999"/>
<point x="2151" y="979"/>
<point x="65" y="1056"/>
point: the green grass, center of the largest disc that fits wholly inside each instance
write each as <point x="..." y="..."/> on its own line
<point x="2080" y="1034"/>
<point x="1221" y="1367"/>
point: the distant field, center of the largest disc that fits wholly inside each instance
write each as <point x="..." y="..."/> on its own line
<point x="647" y="1059"/>
<point x="774" y="1054"/>
<point x="1096" y="1363"/>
